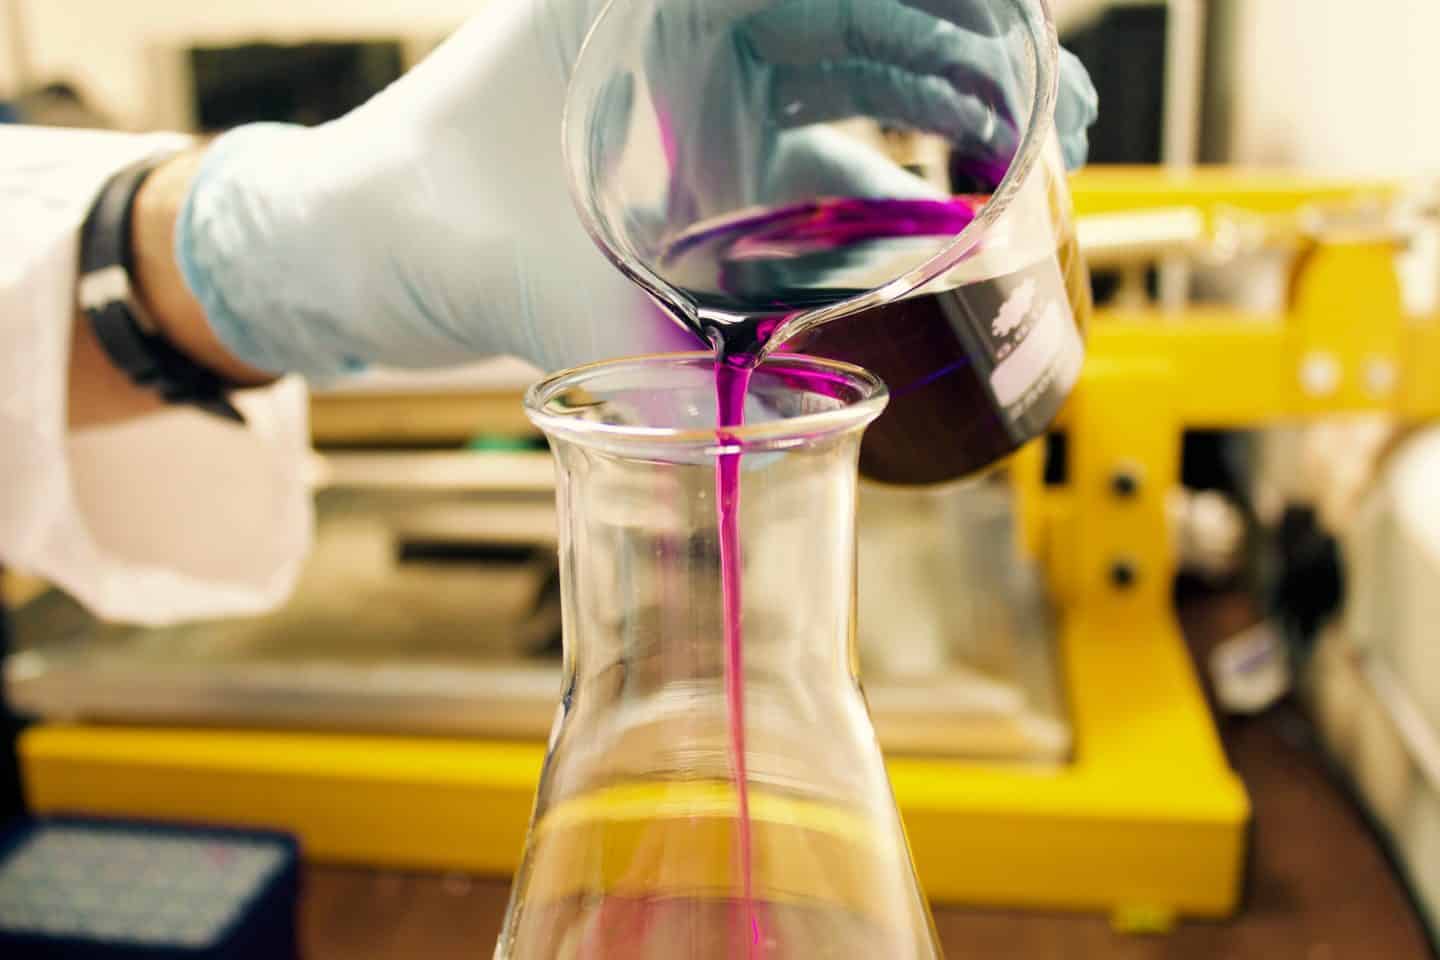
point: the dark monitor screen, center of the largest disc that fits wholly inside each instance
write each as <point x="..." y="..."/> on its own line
<point x="306" y="83"/>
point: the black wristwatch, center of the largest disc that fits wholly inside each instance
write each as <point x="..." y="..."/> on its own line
<point x="121" y="324"/>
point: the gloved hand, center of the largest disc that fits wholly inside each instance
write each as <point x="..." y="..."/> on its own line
<point x="429" y="227"/>
<point x="433" y="224"/>
<point x="733" y="79"/>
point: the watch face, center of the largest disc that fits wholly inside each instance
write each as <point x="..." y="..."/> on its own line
<point x="104" y="286"/>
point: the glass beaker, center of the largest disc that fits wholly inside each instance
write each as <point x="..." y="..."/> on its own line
<point x="706" y="160"/>
<point x="647" y="841"/>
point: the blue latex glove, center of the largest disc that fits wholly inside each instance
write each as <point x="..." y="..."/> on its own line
<point x="731" y="80"/>
<point x="433" y="225"/>
<point x="429" y="227"/>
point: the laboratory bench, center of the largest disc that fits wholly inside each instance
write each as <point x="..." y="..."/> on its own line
<point x="1318" y="885"/>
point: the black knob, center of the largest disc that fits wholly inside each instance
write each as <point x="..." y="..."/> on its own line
<point x="1125" y="482"/>
<point x="1123" y="574"/>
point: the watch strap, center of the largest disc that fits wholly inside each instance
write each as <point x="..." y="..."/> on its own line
<point x="121" y="323"/>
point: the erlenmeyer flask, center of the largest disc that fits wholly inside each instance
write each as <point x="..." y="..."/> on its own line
<point x="644" y="844"/>
<point x="703" y="160"/>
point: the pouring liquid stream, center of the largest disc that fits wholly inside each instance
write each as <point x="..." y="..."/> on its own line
<point x="974" y="370"/>
<point x="741" y="327"/>
<point x="732" y="381"/>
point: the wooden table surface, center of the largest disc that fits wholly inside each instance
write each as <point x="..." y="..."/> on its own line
<point x="1318" y="887"/>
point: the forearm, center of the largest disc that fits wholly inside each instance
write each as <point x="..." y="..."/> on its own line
<point x="101" y="393"/>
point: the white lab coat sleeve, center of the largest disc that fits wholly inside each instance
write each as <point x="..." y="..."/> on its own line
<point x="170" y="517"/>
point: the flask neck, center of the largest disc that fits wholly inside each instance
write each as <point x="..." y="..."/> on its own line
<point x="640" y="572"/>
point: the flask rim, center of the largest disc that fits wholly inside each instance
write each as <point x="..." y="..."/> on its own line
<point x="862" y="397"/>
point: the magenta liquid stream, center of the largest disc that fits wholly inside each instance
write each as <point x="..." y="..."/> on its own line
<point x="974" y="371"/>
<point x="731" y="384"/>
<point x="742" y="323"/>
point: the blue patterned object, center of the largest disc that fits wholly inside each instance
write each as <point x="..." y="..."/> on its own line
<point x="100" y="889"/>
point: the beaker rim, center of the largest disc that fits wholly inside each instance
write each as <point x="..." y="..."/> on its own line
<point x="865" y="397"/>
<point x="1039" y="21"/>
<point x="1039" y="133"/>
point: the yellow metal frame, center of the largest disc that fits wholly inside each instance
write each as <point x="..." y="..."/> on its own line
<point x="1128" y="189"/>
<point x="1148" y="821"/>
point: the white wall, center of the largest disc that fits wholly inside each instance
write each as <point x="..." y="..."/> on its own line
<point x="117" y="50"/>
<point x="1336" y="85"/>
<point x="1326" y="84"/>
<point x="10" y="51"/>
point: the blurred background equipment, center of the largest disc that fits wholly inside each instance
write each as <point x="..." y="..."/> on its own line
<point x="57" y="104"/>
<point x="307" y="83"/>
<point x="1003" y="624"/>
<point x="101" y="889"/>
<point x="165" y="64"/>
